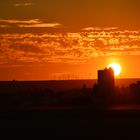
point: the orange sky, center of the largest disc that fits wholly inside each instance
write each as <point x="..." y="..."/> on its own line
<point x="47" y="39"/>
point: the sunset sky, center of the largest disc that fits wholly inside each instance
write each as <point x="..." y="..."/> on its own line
<point x="68" y="39"/>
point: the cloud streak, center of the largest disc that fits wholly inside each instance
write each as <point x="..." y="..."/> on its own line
<point x="4" y="26"/>
<point x="99" y="28"/>
<point x="15" y="21"/>
<point x="41" y="25"/>
<point x="33" y="23"/>
<point x="23" y="4"/>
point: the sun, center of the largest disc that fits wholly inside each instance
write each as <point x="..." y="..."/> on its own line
<point x="116" y="67"/>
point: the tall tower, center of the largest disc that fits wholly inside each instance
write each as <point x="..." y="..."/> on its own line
<point x="106" y="80"/>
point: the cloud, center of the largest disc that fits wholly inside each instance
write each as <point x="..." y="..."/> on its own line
<point x="99" y="28"/>
<point x="23" y="4"/>
<point x="32" y="23"/>
<point x="4" y="26"/>
<point x="15" y="21"/>
<point x="72" y="48"/>
<point x="41" y="25"/>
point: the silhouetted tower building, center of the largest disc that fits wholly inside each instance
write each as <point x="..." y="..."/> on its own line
<point x="106" y="80"/>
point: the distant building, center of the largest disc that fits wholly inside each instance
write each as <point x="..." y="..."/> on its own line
<point x="106" y="80"/>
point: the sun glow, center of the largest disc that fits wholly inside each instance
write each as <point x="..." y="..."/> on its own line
<point x="116" y="67"/>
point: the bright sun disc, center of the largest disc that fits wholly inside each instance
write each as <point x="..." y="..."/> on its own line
<point x="116" y="67"/>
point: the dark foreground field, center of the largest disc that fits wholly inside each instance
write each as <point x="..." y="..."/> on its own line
<point x="75" y="122"/>
<point x="44" y="113"/>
